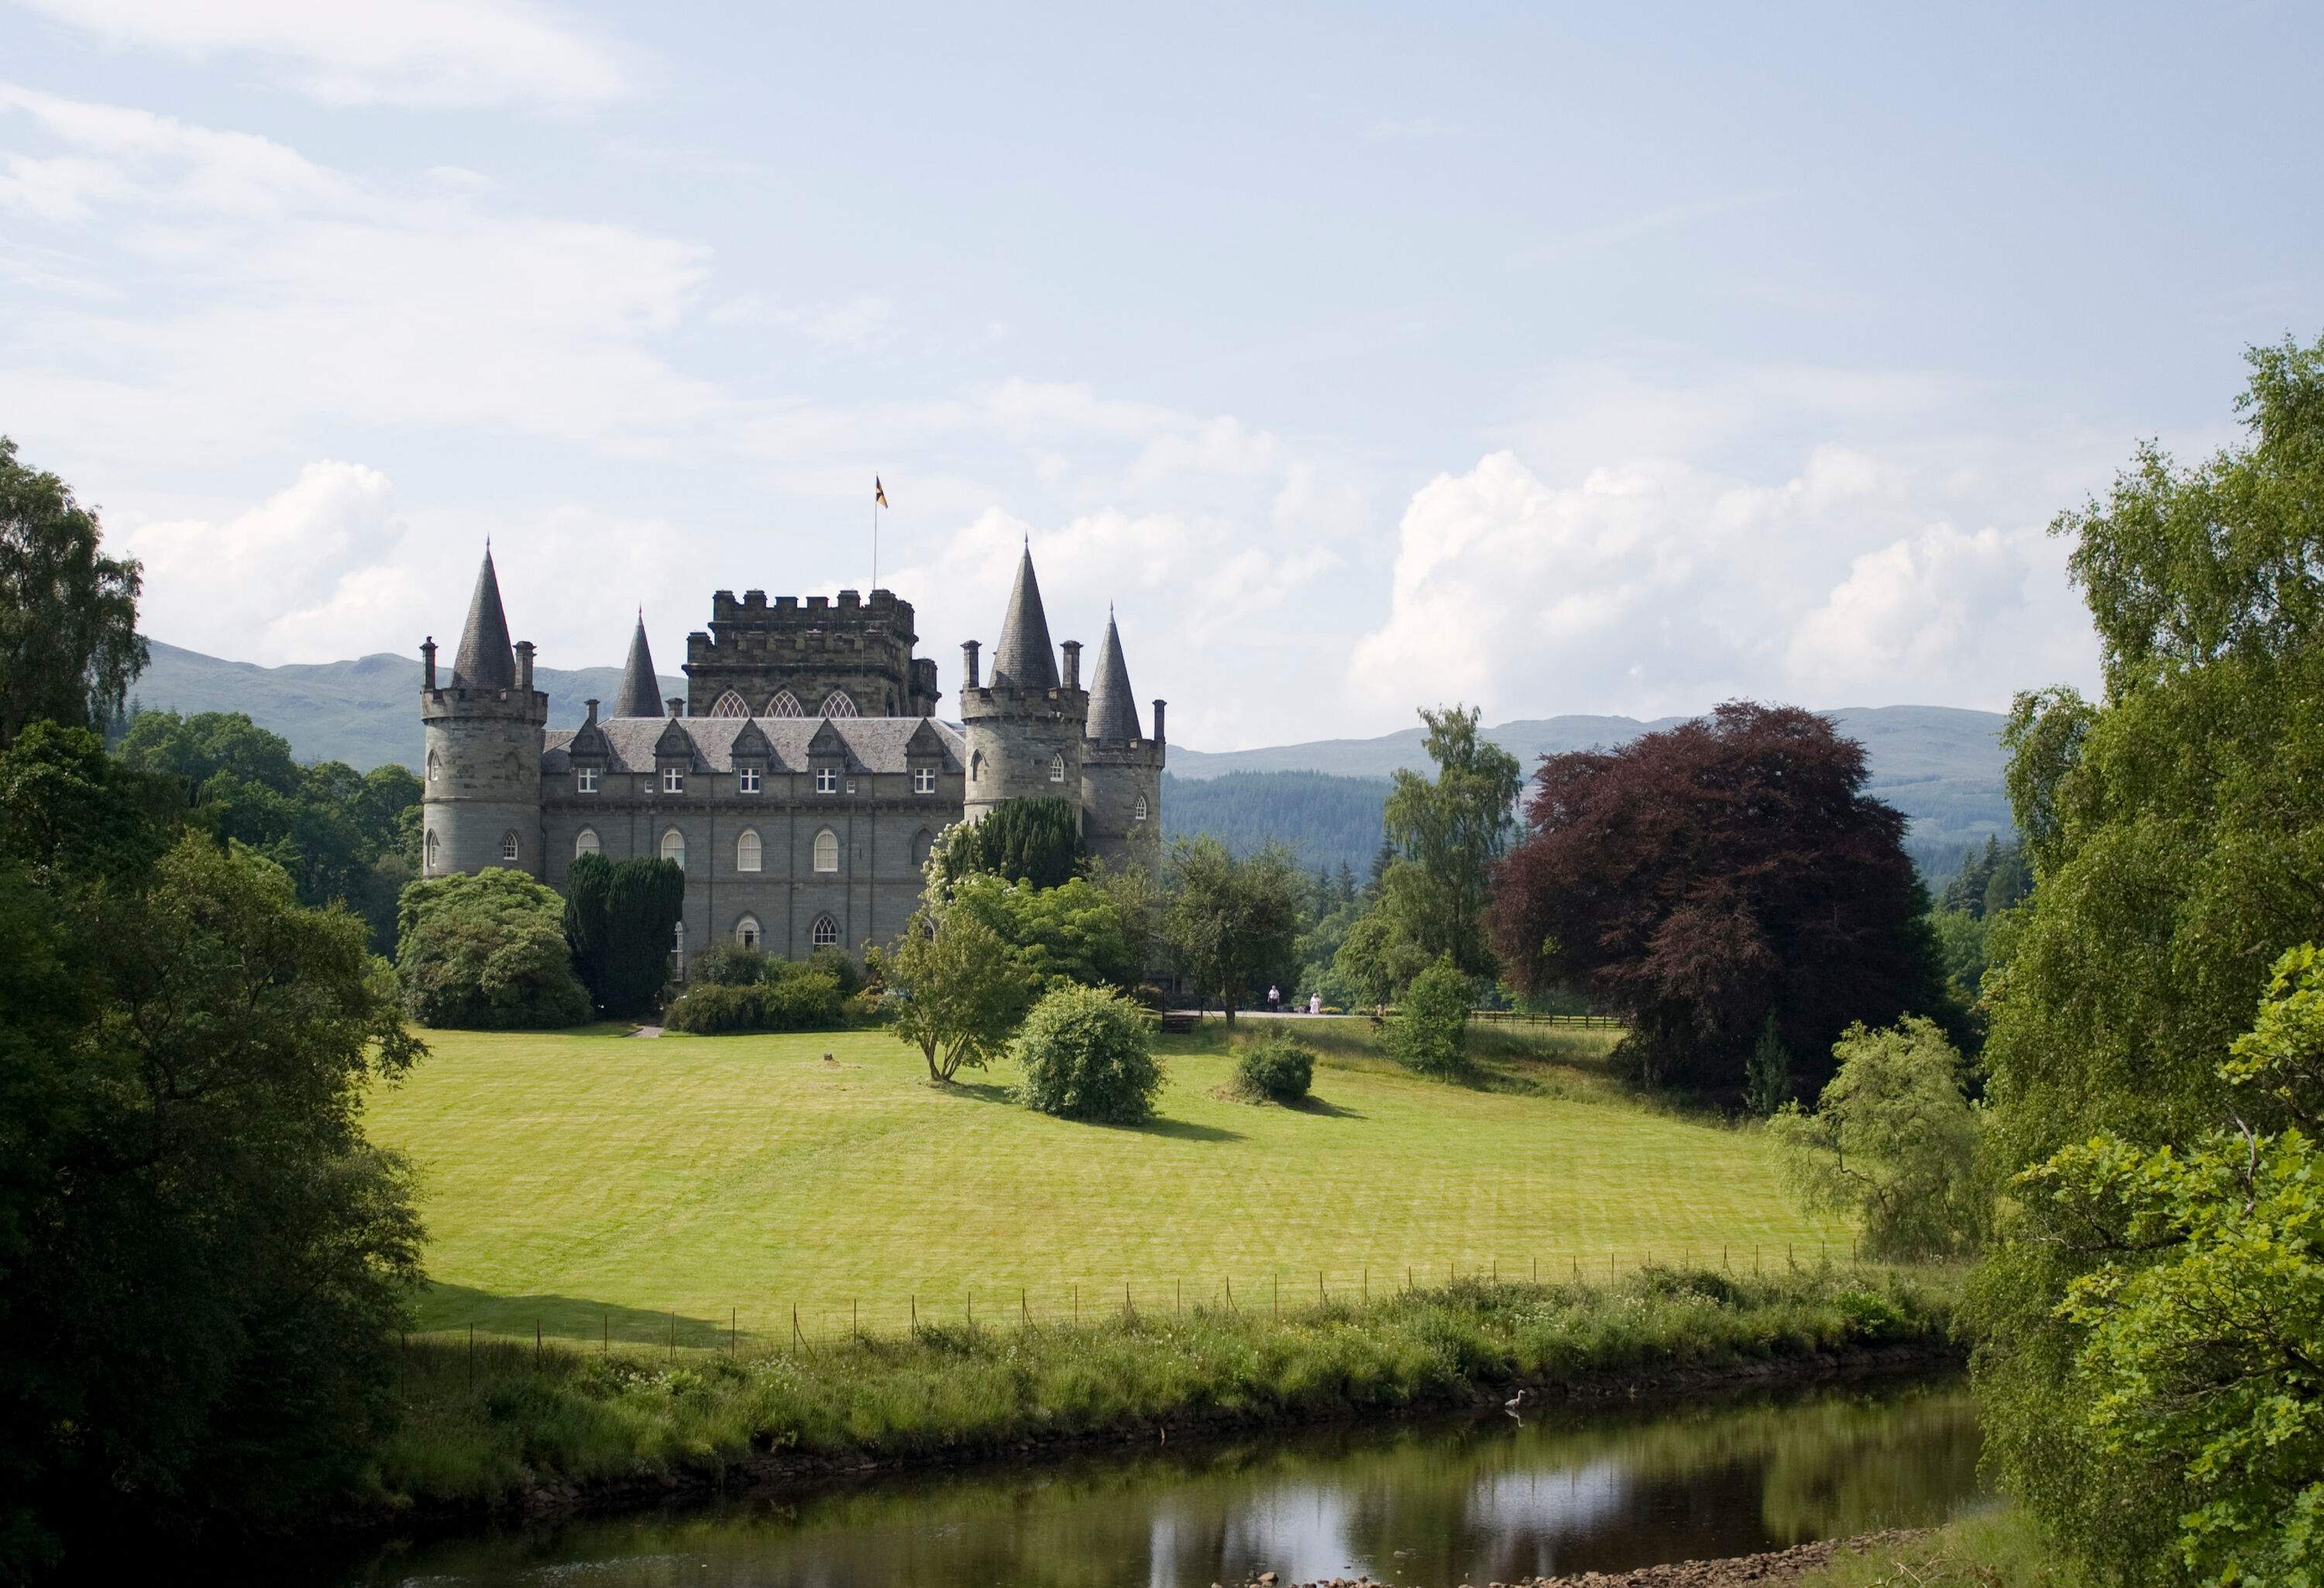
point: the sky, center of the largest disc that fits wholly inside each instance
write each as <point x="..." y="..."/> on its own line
<point x="1610" y="359"/>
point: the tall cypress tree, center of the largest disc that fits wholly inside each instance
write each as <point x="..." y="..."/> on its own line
<point x="588" y="886"/>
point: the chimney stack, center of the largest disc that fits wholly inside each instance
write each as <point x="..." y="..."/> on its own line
<point x="1158" y="737"/>
<point x="428" y="664"/>
<point x="591" y="720"/>
<point x="524" y="665"/>
<point x="1073" y="650"/>
<point x="968" y="663"/>
<point x="677" y="705"/>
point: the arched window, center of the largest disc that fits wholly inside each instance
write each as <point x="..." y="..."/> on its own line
<point x="585" y="842"/>
<point x="824" y="933"/>
<point x="784" y="704"/>
<point x="434" y="766"/>
<point x="838" y="703"/>
<point x="746" y="932"/>
<point x="827" y="851"/>
<point x="922" y="842"/>
<point x="509" y="849"/>
<point x="1056" y="769"/>
<point x="432" y="862"/>
<point x="1141" y="808"/>
<point x="976" y="766"/>
<point x="746" y="851"/>
<point x="729" y="704"/>
<point x="673" y="847"/>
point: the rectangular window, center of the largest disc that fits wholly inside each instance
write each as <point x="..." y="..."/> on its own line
<point x="589" y="779"/>
<point x="749" y="780"/>
<point x="924" y="779"/>
<point x="673" y="779"/>
<point x="826" y="780"/>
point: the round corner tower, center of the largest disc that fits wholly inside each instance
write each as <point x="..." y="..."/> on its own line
<point x="1121" y="769"/>
<point x="1025" y="728"/>
<point x="480" y="793"/>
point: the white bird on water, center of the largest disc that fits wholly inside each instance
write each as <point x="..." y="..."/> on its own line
<point x="1512" y="1403"/>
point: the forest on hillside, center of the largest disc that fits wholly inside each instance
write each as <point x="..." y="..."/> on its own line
<point x="1325" y="821"/>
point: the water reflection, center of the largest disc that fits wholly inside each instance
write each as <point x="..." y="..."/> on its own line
<point x="1429" y="1503"/>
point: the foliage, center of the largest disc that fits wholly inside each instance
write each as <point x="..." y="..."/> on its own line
<point x="644" y="897"/>
<point x="1429" y="1031"/>
<point x="589" y="887"/>
<point x="341" y="833"/>
<point x="1088" y="1054"/>
<point x="1322" y="819"/>
<point x="201" y="1259"/>
<point x="486" y="951"/>
<point x="1892" y="1144"/>
<point x="964" y="990"/>
<point x="1069" y="935"/>
<point x="840" y="965"/>
<point x="1230" y="922"/>
<point x="67" y="807"/>
<point x="1768" y="1074"/>
<point x="1278" y="1066"/>
<point x="68" y="642"/>
<point x="1450" y="833"/>
<point x="1989" y="880"/>
<point x="1036" y="841"/>
<point x="1701" y="877"/>
<point x="783" y="997"/>
<point x="2177" y="834"/>
<point x="729" y="964"/>
<point x="1138" y="905"/>
<point x="1376" y="959"/>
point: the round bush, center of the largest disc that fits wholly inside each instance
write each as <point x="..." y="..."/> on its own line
<point x="1429" y="1031"/>
<point x="1088" y="1054"/>
<point x="794" y="998"/>
<point x="1278" y="1068"/>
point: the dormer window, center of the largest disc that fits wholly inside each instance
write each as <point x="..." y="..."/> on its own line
<point x="924" y="779"/>
<point x="747" y="779"/>
<point x="588" y="779"/>
<point x="826" y="780"/>
<point x="1056" y="769"/>
<point x="673" y="779"/>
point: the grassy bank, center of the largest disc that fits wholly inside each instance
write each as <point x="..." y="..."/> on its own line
<point x="512" y="1418"/>
<point x="1998" y="1549"/>
<point x="592" y="1182"/>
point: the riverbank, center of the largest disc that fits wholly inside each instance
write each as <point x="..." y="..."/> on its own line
<point x="1800" y="1564"/>
<point x="542" y="1429"/>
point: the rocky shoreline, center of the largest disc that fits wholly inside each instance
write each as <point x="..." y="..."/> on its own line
<point x="1782" y="1566"/>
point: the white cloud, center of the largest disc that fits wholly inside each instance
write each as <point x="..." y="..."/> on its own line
<point x="430" y="53"/>
<point x="863" y="321"/>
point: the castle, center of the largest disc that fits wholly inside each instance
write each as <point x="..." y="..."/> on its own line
<point x="801" y="780"/>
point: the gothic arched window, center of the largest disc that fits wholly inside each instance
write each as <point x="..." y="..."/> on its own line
<point x="838" y="702"/>
<point x="1141" y="808"/>
<point x="673" y="847"/>
<point x="1056" y="769"/>
<point x="976" y="766"/>
<point x="827" y="851"/>
<point x="784" y="704"/>
<point x="729" y="704"/>
<point x="432" y="861"/>
<point x="922" y="842"/>
<point x="747" y="851"/>
<point x="746" y="932"/>
<point x="434" y="766"/>
<point x="585" y="842"/>
<point x="824" y="933"/>
<point x="509" y="849"/>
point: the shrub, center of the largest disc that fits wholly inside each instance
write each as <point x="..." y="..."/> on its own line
<point x="835" y="962"/>
<point x="1089" y="1055"/>
<point x="486" y="952"/>
<point x="1151" y="998"/>
<point x="713" y="1009"/>
<point x="1767" y="1073"/>
<point x="1429" y="1031"/>
<point x="803" y="999"/>
<point x="729" y="966"/>
<point x="1278" y="1068"/>
<point x="793" y="998"/>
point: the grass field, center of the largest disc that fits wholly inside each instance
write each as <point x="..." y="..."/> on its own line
<point x="591" y="1182"/>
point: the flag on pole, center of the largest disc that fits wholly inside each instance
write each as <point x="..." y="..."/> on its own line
<point x="879" y="493"/>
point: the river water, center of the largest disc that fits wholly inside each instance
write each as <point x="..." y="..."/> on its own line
<point x="1442" y="1502"/>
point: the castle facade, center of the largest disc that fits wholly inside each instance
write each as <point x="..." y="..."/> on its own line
<point x="801" y="780"/>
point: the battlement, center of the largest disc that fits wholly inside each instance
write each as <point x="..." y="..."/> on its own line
<point x="519" y="705"/>
<point x="813" y="649"/>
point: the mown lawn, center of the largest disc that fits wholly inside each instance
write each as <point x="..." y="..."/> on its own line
<point x="591" y="1182"/>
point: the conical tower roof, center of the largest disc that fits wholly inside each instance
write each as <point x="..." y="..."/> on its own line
<point x="1114" y="710"/>
<point x="1024" y="659"/>
<point x="641" y="693"/>
<point x="485" y="660"/>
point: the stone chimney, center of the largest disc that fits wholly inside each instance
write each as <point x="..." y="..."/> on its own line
<point x="428" y="664"/>
<point x="968" y="664"/>
<point x="1160" y="736"/>
<point x="1073" y="650"/>
<point x="524" y="665"/>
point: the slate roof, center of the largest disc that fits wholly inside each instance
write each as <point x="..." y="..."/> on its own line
<point x="872" y="743"/>
<point x="485" y="660"/>
<point x="1112" y="709"/>
<point x="639" y="695"/>
<point x="1024" y="659"/>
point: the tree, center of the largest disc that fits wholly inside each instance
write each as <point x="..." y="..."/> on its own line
<point x="1230" y="922"/>
<point x="486" y="951"/>
<point x="588" y="892"/>
<point x="1088" y="1054"/>
<point x="1429" y="1031"/>
<point x="964" y="990"/>
<point x="1376" y="958"/>
<point x="1071" y="933"/>
<point x="68" y="642"/>
<point x="1701" y="877"/>
<point x="1451" y="833"/>
<point x="202" y="1263"/>
<point x="1036" y="841"/>
<point x="644" y="898"/>
<point x="1893" y="1143"/>
<point x="1767" y="1077"/>
<point x="2176" y="831"/>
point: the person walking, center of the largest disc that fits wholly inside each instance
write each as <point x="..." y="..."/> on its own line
<point x="1274" y="999"/>
<point x="1314" y="1003"/>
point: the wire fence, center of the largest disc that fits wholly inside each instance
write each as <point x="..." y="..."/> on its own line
<point x="1282" y="1294"/>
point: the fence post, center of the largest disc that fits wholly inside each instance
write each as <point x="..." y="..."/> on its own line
<point x="1077" y="1303"/>
<point x="797" y="1338"/>
<point x="1231" y="1306"/>
<point x="852" y="1327"/>
<point x="1024" y="1307"/>
<point x="472" y="1356"/>
<point x="1127" y="1310"/>
<point x="1367" y="1284"/>
<point x="1320" y="1295"/>
<point x="971" y="1306"/>
<point x="916" y="1310"/>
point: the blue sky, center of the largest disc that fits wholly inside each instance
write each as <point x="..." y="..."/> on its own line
<point x="1620" y="359"/>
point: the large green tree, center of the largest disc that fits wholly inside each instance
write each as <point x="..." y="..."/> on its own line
<point x="1232" y="922"/>
<point x="2177" y="835"/>
<point x="964" y="990"/>
<point x="68" y="642"/>
<point x="486" y="950"/>
<point x="202" y="1261"/>
<point x="1449" y="833"/>
<point x="1036" y="841"/>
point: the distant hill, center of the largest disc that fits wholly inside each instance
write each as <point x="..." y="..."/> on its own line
<point x="1941" y="766"/>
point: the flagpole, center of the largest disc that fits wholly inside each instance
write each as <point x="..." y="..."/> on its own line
<point x="875" y="542"/>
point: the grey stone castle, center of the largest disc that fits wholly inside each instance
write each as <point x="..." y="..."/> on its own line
<point x="802" y="778"/>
